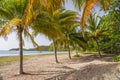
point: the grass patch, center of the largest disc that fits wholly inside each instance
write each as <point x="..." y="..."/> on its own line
<point x="76" y="55"/>
<point x="11" y="59"/>
<point x="91" y="52"/>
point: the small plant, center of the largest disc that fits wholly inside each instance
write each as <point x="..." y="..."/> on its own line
<point x="116" y="59"/>
<point x="76" y="55"/>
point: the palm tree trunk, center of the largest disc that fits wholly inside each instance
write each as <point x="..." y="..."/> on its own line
<point x="69" y="52"/>
<point x="76" y="51"/>
<point x="55" y="51"/>
<point x="20" y="49"/>
<point x="98" y="49"/>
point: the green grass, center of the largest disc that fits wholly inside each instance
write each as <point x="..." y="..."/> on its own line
<point x="76" y="55"/>
<point x="116" y="59"/>
<point x="87" y="52"/>
<point x="11" y="59"/>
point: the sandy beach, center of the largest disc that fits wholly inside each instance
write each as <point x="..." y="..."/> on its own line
<point x="88" y="67"/>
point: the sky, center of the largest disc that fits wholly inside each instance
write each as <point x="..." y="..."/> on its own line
<point x="12" y="41"/>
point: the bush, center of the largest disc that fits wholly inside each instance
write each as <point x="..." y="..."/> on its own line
<point x="116" y="59"/>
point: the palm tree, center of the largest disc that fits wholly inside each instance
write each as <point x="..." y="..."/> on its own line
<point x="87" y="6"/>
<point x="72" y="38"/>
<point x="95" y="31"/>
<point x="49" y="23"/>
<point x="31" y="7"/>
<point x="11" y="13"/>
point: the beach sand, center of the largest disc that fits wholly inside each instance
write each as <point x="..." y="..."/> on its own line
<point x="88" y="67"/>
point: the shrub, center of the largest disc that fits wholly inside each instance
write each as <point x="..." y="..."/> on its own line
<point x="116" y="59"/>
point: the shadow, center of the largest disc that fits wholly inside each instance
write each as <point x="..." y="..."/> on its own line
<point x="62" y="76"/>
<point x="59" y="73"/>
<point x="90" y="58"/>
<point x="1" y="78"/>
<point x="44" y="73"/>
<point x="91" y="72"/>
<point x="96" y="72"/>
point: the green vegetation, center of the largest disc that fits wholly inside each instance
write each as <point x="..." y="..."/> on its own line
<point x="11" y="59"/>
<point x="111" y="22"/>
<point x="116" y="59"/>
<point x="90" y="52"/>
<point x="76" y="55"/>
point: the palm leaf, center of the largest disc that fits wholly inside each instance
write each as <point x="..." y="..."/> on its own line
<point x="32" y="39"/>
<point x="7" y="27"/>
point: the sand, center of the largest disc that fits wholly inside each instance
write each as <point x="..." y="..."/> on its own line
<point x="88" y="67"/>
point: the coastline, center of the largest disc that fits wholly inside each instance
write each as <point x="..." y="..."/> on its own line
<point x="16" y="53"/>
<point x="6" y="60"/>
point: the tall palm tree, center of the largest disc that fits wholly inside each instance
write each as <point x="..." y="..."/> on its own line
<point x="72" y="38"/>
<point x="11" y="20"/>
<point x="31" y="7"/>
<point x="87" y="6"/>
<point x="11" y="13"/>
<point x="95" y="31"/>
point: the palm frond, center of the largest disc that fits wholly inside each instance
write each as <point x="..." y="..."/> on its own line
<point x="86" y="12"/>
<point x="32" y="39"/>
<point x="87" y="6"/>
<point x="8" y="26"/>
<point x="27" y="17"/>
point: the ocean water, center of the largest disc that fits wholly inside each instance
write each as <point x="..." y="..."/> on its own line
<point x="15" y="53"/>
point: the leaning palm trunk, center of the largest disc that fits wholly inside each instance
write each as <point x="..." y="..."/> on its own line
<point x="69" y="52"/>
<point x="55" y="51"/>
<point x="20" y="30"/>
<point x="98" y="48"/>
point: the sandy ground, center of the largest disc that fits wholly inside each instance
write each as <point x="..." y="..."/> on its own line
<point x="88" y="67"/>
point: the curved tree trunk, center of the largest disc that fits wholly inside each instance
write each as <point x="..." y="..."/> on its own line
<point x="69" y="52"/>
<point x="98" y="49"/>
<point x="20" y="49"/>
<point x="55" y="51"/>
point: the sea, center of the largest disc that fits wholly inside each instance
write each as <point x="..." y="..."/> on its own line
<point x="16" y="53"/>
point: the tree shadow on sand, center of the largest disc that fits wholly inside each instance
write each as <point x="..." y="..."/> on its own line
<point x="60" y="70"/>
<point x="1" y="78"/>
<point x="92" y="72"/>
<point x="54" y="74"/>
<point x="90" y="58"/>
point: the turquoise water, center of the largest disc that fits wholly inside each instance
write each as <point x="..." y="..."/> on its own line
<point x="15" y="53"/>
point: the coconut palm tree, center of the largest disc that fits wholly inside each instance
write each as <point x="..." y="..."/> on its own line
<point x="95" y="31"/>
<point x="87" y="6"/>
<point x="11" y="13"/>
<point x="11" y="20"/>
<point x="72" y="38"/>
